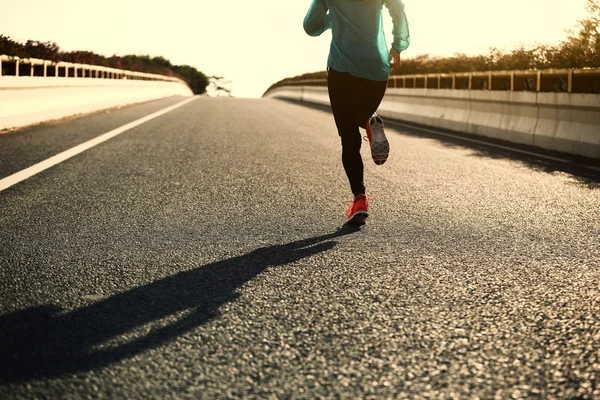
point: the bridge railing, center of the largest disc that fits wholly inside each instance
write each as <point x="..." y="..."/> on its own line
<point x="34" y="90"/>
<point x="32" y="67"/>
<point x="552" y="80"/>
<point x="556" y="110"/>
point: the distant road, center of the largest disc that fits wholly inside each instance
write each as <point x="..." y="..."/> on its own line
<point x="200" y="255"/>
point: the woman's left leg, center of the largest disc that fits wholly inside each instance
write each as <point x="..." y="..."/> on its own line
<point x="343" y="94"/>
<point x="373" y="92"/>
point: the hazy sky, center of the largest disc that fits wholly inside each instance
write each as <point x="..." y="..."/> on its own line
<point x="256" y="43"/>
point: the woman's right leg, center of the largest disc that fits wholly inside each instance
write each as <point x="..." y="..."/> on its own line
<point x="342" y="95"/>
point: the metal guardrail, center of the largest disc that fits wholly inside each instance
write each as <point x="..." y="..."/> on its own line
<point x="565" y="80"/>
<point x="45" y="68"/>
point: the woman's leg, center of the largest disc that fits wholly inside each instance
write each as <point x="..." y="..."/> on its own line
<point x="372" y="93"/>
<point x="343" y="94"/>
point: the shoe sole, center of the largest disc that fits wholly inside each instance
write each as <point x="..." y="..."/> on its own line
<point x="380" y="147"/>
<point x="358" y="218"/>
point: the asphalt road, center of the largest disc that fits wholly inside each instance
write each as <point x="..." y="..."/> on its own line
<point x="202" y="255"/>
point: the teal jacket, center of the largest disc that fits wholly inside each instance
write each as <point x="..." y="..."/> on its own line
<point x="358" y="44"/>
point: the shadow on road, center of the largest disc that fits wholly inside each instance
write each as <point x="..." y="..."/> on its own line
<point x="42" y="342"/>
<point x="575" y="167"/>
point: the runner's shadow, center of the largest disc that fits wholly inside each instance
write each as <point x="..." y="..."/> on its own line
<point x="43" y="342"/>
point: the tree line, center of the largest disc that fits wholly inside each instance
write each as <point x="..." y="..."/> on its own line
<point x="195" y="79"/>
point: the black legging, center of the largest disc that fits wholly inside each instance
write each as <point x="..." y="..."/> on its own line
<point x="353" y="102"/>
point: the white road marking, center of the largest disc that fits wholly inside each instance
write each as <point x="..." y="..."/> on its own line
<point x="512" y="149"/>
<point x="65" y="155"/>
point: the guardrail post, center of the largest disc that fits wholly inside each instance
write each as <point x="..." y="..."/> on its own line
<point x="470" y="81"/>
<point x="570" y="81"/>
<point x="512" y="81"/>
<point x="17" y="67"/>
<point x="45" y="68"/>
<point x="453" y="81"/>
<point x="539" y="82"/>
<point x="75" y="71"/>
<point x="31" y="68"/>
<point x="490" y="81"/>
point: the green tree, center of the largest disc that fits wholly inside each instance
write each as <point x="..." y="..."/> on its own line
<point x="584" y="45"/>
<point x="196" y="80"/>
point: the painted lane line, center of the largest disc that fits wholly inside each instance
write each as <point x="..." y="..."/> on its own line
<point x="499" y="146"/>
<point x="65" y="155"/>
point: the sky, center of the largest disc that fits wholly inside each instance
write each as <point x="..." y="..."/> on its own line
<point x="256" y="43"/>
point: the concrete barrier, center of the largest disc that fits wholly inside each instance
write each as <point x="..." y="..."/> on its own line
<point x="29" y="100"/>
<point x="316" y="95"/>
<point x="564" y="122"/>
<point x="569" y="123"/>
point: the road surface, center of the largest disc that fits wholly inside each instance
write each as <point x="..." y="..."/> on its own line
<point x="201" y="254"/>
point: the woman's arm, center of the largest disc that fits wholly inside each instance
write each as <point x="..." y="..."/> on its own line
<point x="317" y="19"/>
<point x="400" y="30"/>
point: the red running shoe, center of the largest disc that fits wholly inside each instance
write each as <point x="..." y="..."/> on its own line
<point x="358" y="210"/>
<point x="380" y="147"/>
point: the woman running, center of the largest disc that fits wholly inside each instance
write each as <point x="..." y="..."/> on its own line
<point x="358" y="68"/>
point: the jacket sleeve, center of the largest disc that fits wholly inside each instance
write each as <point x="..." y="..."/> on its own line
<point x="317" y="18"/>
<point x="400" y="22"/>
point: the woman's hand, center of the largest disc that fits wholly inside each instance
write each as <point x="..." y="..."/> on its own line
<point x="395" y="59"/>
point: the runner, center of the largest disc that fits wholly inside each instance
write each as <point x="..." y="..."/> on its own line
<point x="358" y="68"/>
